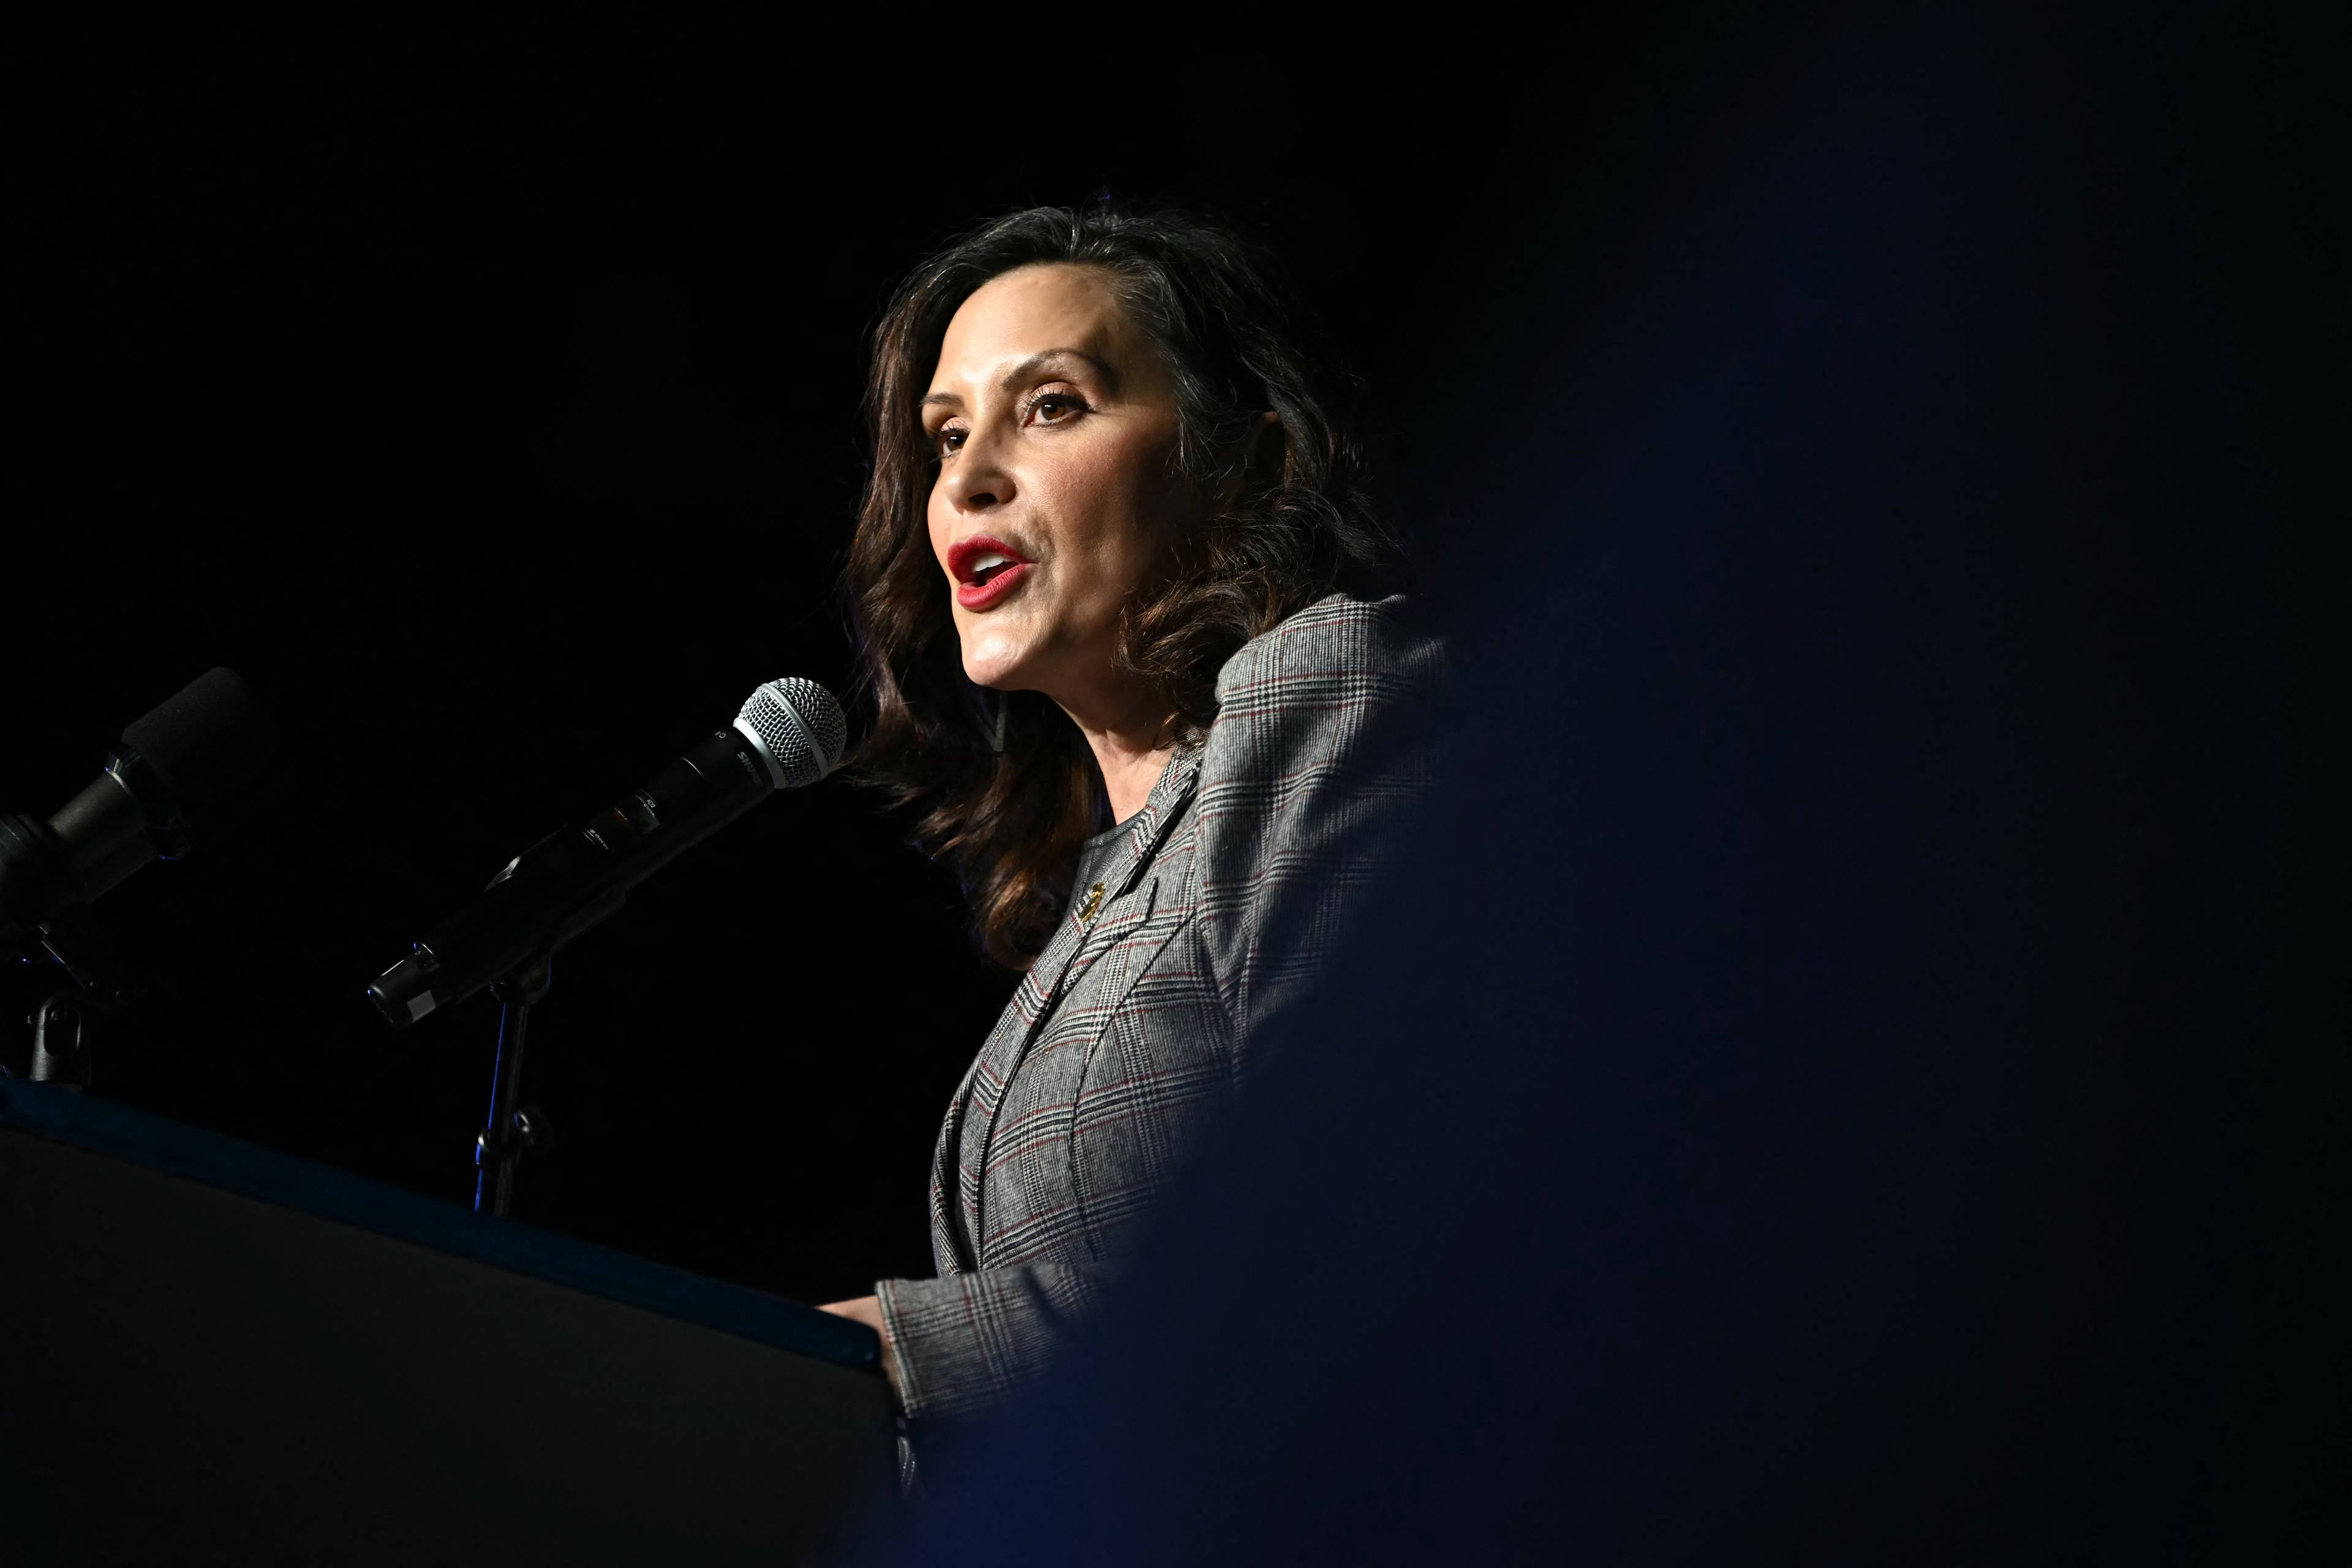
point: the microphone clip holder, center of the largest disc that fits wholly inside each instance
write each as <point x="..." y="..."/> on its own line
<point x="102" y="987"/>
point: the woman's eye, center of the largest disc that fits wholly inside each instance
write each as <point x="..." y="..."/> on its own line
<point x="946" y="441"/>
<point x="1053" y="407"/>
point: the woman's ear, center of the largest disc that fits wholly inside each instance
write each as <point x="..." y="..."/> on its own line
<point x="1265" y="453"/>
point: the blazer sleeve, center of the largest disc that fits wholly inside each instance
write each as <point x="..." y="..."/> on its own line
<point x="961" y="1343"/>
<point x="1319" y="750"/>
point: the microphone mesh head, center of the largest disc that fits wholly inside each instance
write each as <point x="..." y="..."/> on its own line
<point x="800" y="727"/>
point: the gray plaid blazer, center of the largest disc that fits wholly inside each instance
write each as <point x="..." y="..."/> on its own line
<point x="1137" y="1020"/>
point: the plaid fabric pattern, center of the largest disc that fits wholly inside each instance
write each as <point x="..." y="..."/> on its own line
<point x="1136" y="1024"/>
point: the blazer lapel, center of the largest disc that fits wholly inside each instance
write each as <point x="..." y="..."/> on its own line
<point x="1086" y="932"/>
<point x="1083" y="936"/>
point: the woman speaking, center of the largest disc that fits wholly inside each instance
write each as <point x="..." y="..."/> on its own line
<point x="1115" y="579"/>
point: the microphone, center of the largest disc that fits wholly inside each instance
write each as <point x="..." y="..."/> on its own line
<point x="201" y="747"/>
<point x="790" y="734"/>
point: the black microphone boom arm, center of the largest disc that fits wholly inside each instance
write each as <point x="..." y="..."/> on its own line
<point x="790" y="733"/>
<point x="574" y="878"/>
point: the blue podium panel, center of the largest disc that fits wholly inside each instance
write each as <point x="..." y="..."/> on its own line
<point x="210" y="1352"/>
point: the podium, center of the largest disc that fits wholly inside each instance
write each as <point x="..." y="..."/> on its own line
<point x="211" y="1352"/>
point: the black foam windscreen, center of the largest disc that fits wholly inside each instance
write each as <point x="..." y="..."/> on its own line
<point x="210" y="741"/>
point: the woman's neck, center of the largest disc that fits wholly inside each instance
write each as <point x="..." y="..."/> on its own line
<point x="1127" y="736"/>
<point x="1129" y="773"/>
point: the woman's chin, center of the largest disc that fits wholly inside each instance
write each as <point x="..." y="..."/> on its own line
<point x="995" y="677"/>
<point x="993" y="660"/>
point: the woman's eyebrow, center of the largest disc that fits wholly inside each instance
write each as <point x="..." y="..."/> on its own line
<point x="1036" y="361"/>
<point x="1028" y="368"/>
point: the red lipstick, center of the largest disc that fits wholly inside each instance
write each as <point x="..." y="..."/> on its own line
<point x="985" y="569"/>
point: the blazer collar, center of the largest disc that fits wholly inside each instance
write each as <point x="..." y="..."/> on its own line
<point x="1148" y="826"/>
<point x="1144" y="833"/>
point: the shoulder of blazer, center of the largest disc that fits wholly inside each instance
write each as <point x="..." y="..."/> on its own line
<point x="1337" y="651"/>
<point x="1318" y="747"/>
<point x="1311" y="691"/>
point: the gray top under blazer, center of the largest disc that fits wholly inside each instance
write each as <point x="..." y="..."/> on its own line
<point x="1218" y="899"/>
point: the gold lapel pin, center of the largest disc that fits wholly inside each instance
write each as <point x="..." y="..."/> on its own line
<point x="1094" y="902"/>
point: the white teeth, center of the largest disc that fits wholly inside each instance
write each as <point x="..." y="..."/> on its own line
<point x="985" y="562"/>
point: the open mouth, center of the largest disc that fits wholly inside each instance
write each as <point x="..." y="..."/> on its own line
<point x="985" y="570"/>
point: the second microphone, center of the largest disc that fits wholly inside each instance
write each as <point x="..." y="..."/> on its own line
<point x="790" y="734"/>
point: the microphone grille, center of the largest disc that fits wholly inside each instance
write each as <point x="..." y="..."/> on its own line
<point x="800" y="727"/>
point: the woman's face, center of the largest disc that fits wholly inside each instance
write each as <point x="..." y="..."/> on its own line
<point x="1054" y="422"/>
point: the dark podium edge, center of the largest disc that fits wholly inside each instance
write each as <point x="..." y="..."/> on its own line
<point x="122" y="1132"/>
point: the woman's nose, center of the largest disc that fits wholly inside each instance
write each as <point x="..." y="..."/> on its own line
<point x="978" y="481"/>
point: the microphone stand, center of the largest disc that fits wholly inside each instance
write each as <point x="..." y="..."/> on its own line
<point x="510" y="1133"/>
<point x="101" y="985"/>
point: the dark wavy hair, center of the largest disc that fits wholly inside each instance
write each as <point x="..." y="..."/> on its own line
<point x="1008" y="788"/>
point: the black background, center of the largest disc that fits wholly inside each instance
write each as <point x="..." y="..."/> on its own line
<point x="1873" y="468"/>
<point x="499" y="419"/>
